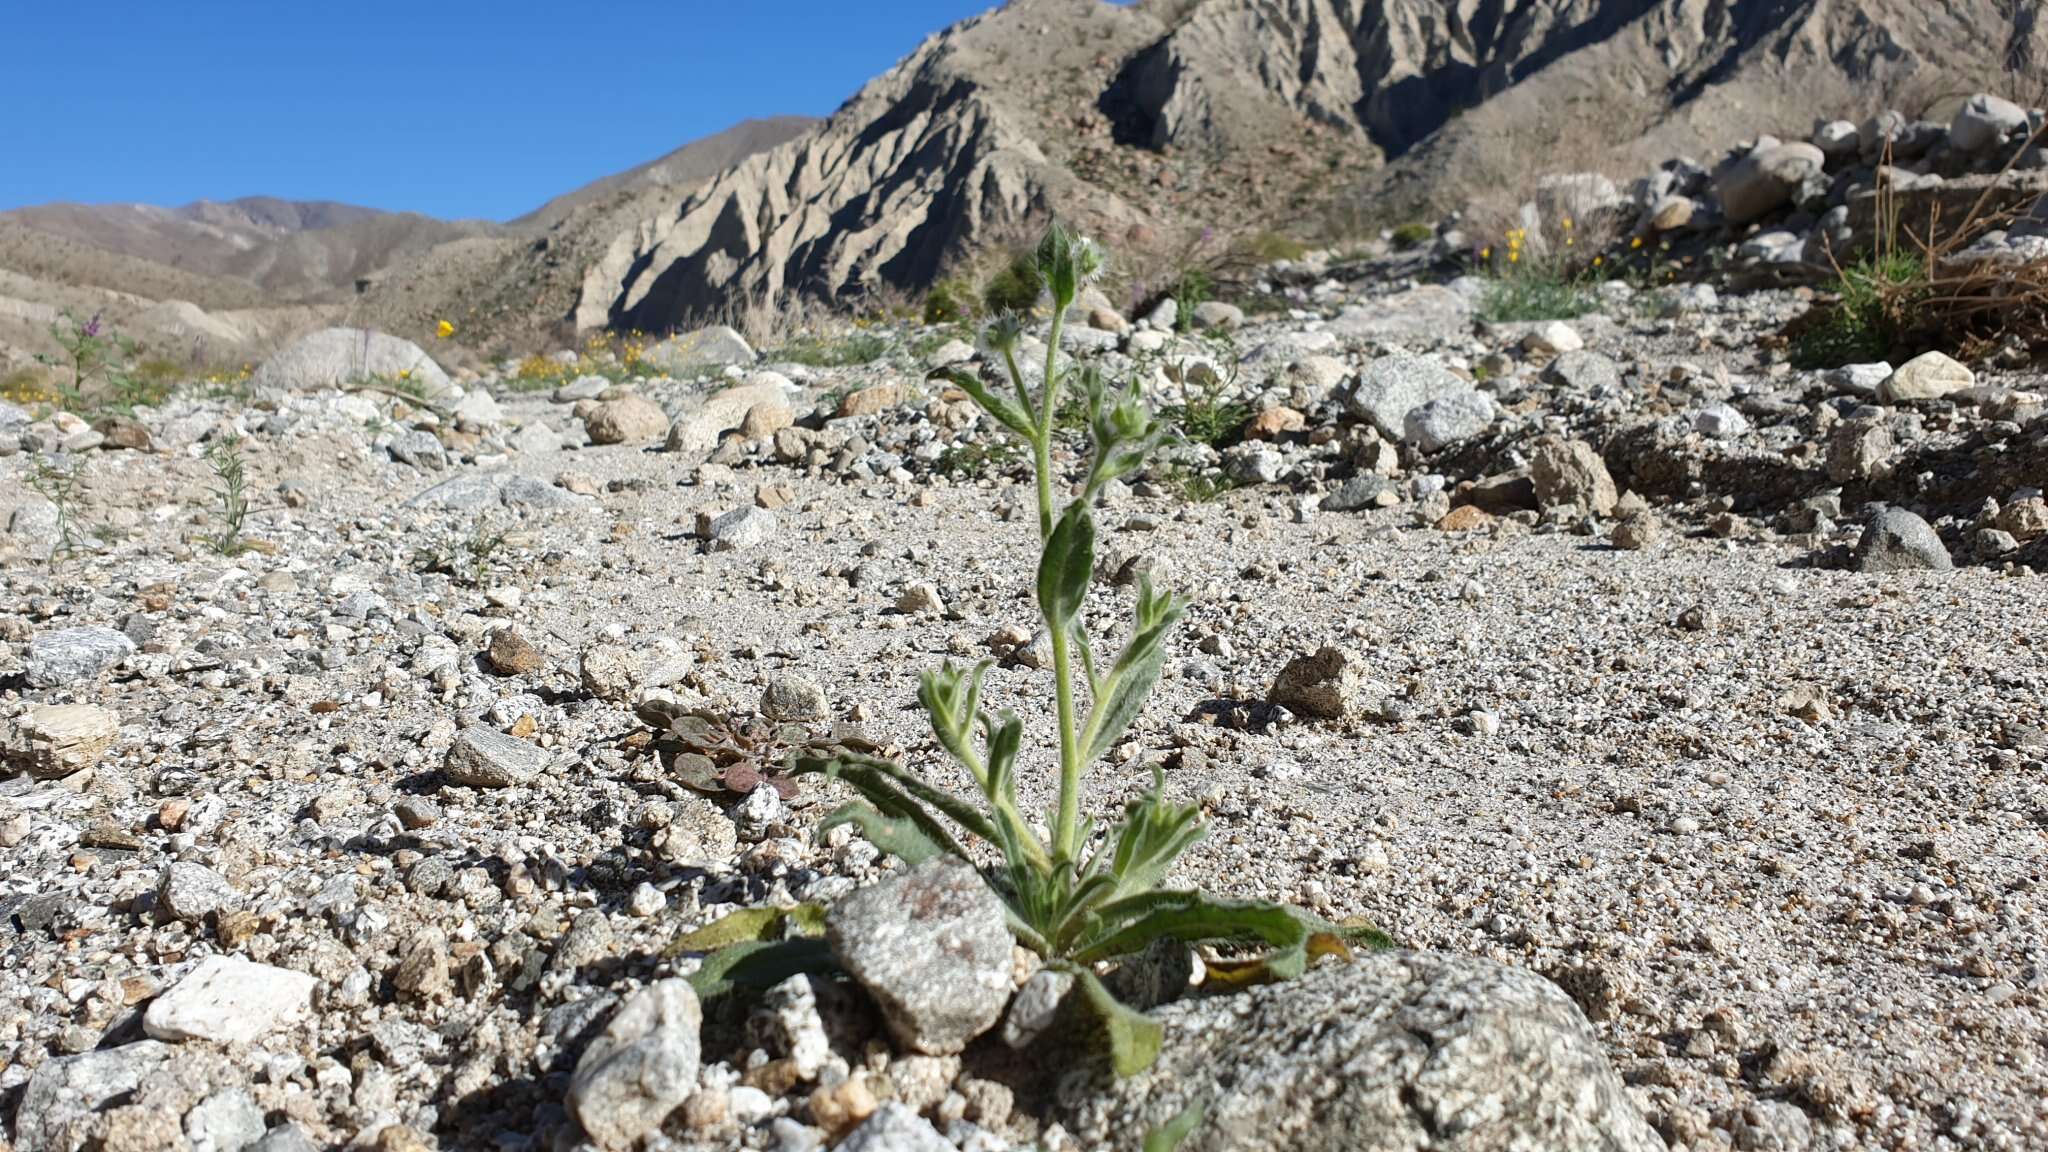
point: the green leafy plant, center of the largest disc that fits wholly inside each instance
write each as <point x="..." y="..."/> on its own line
<point x="848" y="351"/>
<point x="1864" y="322"/>
<point x="1077" y="895"/>
<point x="94" y="363"/>
<point x="467" y="559"/>
<point x="950" y="302"/>
<point x="58" y="483"/>
<point x="1015" y="287"/>
<point x="1207" y="413"/>
<point x="1413" y="235"/>
<point x="1536" y="294"/>
<point x="224" y="456"/>
<point x="1192" y="289"/>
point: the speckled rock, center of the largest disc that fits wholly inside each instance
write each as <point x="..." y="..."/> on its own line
<point x="1396" y="1050"/>
<point x="932" y="946"/>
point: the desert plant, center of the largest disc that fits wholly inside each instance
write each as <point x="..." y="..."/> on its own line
<point x="1074" y="897"/>
<point x="1207" y="412"/>
<point x="819" y="351"/>
<point x="224" y="456"/>
<point x="950" y="302"/>
<point x="1412" y="235"/>
<point x="95" y="359"/>
<point x="467" y="559"/>
<point x="58" y="483"/>
<point x="1015" y="287"/>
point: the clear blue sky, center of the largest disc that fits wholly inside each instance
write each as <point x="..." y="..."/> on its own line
<point x="469" y="108"/>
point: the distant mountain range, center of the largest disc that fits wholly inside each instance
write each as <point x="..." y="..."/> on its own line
<point x="1147" y="123"/>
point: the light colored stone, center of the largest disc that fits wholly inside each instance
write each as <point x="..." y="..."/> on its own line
<point x="740" y="529"/>
<point x="932" y="946"/>
<point x="1928" y="376"/>
<point x="706" y="349"/>
<point x="1553" y="338"/>
<point x="630" y="419"/>
<point x="228" y="1000"/>
<point x="58" y="1105"/>
<point x="51" y="741"/>
<point x="1572" y="472"/>
<point x="1765" y="180"/>
<point x="339" y="357"/>
<point x="1390" y="387"/>
<point x="73" y="657"/>
<point x="641" y="1067"/>
<point x="620" y="671"/>
<point x="486" y="758"/>
<point x="1448" y="420"/>
<point x="895" y="1128"/>
<point x="1985" y="121"/>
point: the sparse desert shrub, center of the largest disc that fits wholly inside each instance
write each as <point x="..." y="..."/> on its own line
<point x="1530" y="282"/>
<point x="1861" y="324"/>
<point x="1413" y="235"/>
<point x="1921" y="287"/>
<point x="843" y="351"/>
<point x="949" y="302"/>
<point x="1014" y="288"/>
<point x="1270" y="247"/>
<point x="1074" y="897"/>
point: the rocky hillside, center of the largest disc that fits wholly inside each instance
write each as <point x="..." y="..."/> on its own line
<point x="288" y="250"/>
<point x="1244" y="114"/>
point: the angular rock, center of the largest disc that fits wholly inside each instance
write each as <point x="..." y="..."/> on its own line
<point x="72" y="657"/>
<point x="1896" y="540"/>
<point x="1720" y="422"/>
<point x="486" y="758"/>
<point x="1928" y="376"/>
<point x="1396" y="1050"/>
<point x="191" y="892"/>
<point x="630" y="419"/>
<point x="932" y="946"/>
<point x="1638" y="532"/>
<point x="1572" y="472"/>
<point x="226" y="1121"/>
<point x="1387" y="389"/>
<point x="510" y="654"/>
<point x="790" y="697"/>
<point x="1553" y="339"/>
<point x="62" y="1095"/>
<point x="641" y="1067"/>
<point x="1332" y="684"/>
<point x="227" y="1000"/>
<point x="619" y="672"/>
<point x="740" y="529"/>
<point x="1418" y="313"/>
<point x="1448" y="420"/>
<point x="1859" y="450"/>
<point x="52" y="741"/>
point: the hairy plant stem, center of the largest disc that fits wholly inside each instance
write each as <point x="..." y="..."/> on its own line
<point x="1066" y="826"/>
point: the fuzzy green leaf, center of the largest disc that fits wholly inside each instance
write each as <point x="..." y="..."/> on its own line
<point x="751" y="926"/>
<point x="900" y="792"/>
<point x="1006" y="411"/>
<point x="1134" y="1038"/>
<point x="1136" y="670"/>
<point x="1171" y="1135"/>
<point x="1066" y="566"/>
<point x="899" y="836"/>
<point x="759" y="965"/>
<point x="1128" y="925"/>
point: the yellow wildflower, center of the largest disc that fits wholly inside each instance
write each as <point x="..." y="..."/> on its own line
<point x="444" y="330"/>
<point x="1635" y="242"/>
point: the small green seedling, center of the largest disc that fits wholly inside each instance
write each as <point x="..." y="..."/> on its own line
<point x="224" y="456"/>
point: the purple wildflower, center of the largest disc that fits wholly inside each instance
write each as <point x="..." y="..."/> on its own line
<point x="92" y="326"/>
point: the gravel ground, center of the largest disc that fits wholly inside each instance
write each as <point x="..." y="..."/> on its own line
<point x="1775" y="825"/>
